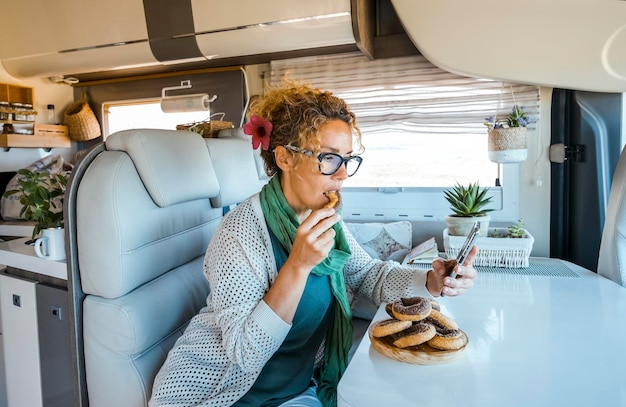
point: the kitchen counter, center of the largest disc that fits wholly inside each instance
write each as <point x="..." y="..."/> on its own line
<point x="19" y="255"/>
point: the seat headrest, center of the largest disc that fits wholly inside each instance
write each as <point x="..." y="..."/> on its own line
<point x="235" y="169"/>
<point x="237" y="132"/>
<point x="161" y="155"/>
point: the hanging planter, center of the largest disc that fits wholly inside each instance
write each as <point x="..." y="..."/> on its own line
<point x="507" y="138"/>
<point x="507" y="145"/>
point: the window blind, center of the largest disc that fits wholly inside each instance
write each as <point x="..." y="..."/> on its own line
<point x="409" y="93"/>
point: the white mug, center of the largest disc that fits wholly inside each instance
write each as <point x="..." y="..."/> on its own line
<point x="51" y="244"/>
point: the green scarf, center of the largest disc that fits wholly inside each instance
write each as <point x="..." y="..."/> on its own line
<point x="283" y="222"/>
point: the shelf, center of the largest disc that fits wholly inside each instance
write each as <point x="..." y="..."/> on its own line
<point x="33" y="141"/>
<point x="46" y="136"/>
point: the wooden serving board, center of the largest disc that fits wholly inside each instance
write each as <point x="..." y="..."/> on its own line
<point x="421" y="354"/>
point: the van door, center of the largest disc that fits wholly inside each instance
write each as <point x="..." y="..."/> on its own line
<point x="589" y="125"/>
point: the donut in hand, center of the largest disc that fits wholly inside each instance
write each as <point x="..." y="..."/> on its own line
<point x="334" y="199"/>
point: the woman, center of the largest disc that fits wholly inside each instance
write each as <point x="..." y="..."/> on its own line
<point x="280" y="266"/>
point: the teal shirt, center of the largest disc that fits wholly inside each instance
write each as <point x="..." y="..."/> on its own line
<point x="290" y="370"/>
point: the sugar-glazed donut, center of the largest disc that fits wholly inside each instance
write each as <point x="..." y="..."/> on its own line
<point x="389" y="326"/>
<point x="333" y="199"/>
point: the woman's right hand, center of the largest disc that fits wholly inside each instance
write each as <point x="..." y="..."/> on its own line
<point x="315" y="238"/>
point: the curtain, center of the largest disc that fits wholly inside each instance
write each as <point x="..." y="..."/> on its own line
<point x="410" y="94"/>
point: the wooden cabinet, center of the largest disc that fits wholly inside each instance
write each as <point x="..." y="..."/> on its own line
<point x="17" y="103"/>
<point x="16" y="94"/>
<point x="44" y="135"/>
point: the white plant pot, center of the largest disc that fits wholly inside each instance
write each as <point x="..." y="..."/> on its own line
<point x="461" y="225"/>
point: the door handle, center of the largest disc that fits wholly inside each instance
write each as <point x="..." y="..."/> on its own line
<point x="559" y="153"/>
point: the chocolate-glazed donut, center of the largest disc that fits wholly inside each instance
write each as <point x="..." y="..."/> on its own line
<point x="448" y="339"/>
<point x="411" y="309"/>
<point x="388" y="309"/>
<point x="443" y="320"/>
<point x="418" y="333"/>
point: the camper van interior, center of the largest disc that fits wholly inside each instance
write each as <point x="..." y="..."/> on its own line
<point x="140" y="107"/>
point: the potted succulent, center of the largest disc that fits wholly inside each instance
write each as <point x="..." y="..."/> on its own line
<point x="514" y="231"/>
<point x="507" y="138"/>
<point x="41" y="197"/>
<point x="468" y="206"/>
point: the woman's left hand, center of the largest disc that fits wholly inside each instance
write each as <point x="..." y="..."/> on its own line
<point x="438" y="281"/>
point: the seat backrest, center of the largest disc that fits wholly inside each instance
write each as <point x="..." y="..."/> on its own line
<point x="235" y="169"/>
<point x="138" y="220"/>
<point x="612" y="257"/>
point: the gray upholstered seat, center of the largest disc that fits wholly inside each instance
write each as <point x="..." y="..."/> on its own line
<point x="139" y="219"/>
<point x="612" y="257"/>
<point x="235" y="169"/>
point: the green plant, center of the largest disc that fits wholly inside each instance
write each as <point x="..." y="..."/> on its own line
<point x="196" y="129"/>
<point x="42" y="196"/>
<point x="468" y="201"/>
<point x="517" y="118"/>
<point x="517" y="229"/>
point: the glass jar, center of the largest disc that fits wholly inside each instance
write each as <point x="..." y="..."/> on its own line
<point x="7" y="128"/>
<point x="51" y="115"/>
<point x="4" y="111"/>
<point x="19" y="113"/>
<point x="29" y="112"/>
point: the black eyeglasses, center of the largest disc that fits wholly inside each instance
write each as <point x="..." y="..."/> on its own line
<point x="329" y="163"/>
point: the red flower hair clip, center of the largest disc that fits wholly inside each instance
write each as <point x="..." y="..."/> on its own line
<point x="260" y="130"/>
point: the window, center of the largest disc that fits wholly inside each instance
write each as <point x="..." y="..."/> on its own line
<point x="422" y="126"/>
<point x="134" y="102"/>
<point x="145" y="114"/>
<point x="422" y="129"/>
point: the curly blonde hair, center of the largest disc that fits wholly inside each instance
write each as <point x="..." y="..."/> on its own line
<point x="297" y="113"/>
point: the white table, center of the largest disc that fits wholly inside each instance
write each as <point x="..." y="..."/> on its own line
<point x="533" y="341"/>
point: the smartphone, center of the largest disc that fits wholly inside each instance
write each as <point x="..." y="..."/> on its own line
<point x="467" y="246"/>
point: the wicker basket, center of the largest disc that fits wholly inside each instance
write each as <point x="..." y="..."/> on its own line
<point x="208" y="129"/>
<point x="503" y="252"/>
<point x="507" y="145"/>
<point x="81" y="122"/>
